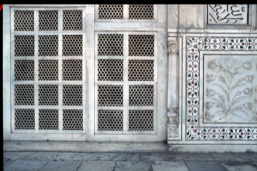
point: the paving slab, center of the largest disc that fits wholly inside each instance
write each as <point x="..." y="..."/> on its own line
<point x="15" y="155"/>
<point x="67" y="165"/>
<point x="240" y="166"/>
<point x="8" y="162"/>
<point x="26" y="165"/>
<point x="204" y="166"/>
<point x="114" y="156"/>
<point x="57" y="156"/>
<point x="232" y="156"/>
<point x="169" y="166"/>
<point x="97" y="166"/>
<point x="169" y="156"/>
<point x="133" y="166"/>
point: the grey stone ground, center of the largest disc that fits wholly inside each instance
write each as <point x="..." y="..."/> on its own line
<point x="70" y="161"/>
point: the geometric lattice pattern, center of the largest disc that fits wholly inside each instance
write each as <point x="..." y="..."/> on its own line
<point x="141" y="120"/>
<point x="141" y="95"/>
<point x="48" y="45"/>
<point x="72" y="45"/>
<point x="110" y="44"/>
<point x="24" y="119"/>
<point x="72" y="95"/>
<point x="110" y="11"/>
<point x="48" y="95"/>
<point x="23" y="94"/>
<point x="110" y="69"/>
<point x="141" y="70"/>
<point x="72" y="119"/>
<point x="48" y="119"/>
<point x="24" y="70"/>
<point x="71" y="70"/>
<point x="48" y="20"/>
<point x="110" y="120"/>
<point x="110" y="95"/>
<point x="194" y="131"/>
<point x="24" y="45"/>
<point x="48" y="70"/>
<point x="72" y="20"/>
<point x="23" y="20"/>
<point x="141" y="11"/>
<point x="141" y="45"/>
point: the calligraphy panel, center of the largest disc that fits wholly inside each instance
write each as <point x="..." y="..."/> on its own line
<point x="228" y="14"/>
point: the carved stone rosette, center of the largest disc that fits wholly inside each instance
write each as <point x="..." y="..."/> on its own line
<point x="172" y="89"/>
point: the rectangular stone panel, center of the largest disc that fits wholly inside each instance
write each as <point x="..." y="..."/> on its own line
<point x="72" y="95"/>
<point x="110" y="69"/>
<point x="141" y="120"/>
<point x="24" y="45"/>
<point x="110" y="95"/>
<point x="141" y="45"/>
<point x="24" y="94"/>
<point x="230" y="89"/>
<point x="141" y="11"/>
<point x="23" y="20"/>
<point x="110" y="11"/>
<point x="48" y="20"/>
<point x="141" y="70"/>
<point x="110" y="120"/>
<point x="235" y="14"/>
<point x="141" y="95"/>
<point x="24" y="70"/>
<point x="72" y="119"/>
<point x="24" y="119"/>
<point x="48" y="119"/>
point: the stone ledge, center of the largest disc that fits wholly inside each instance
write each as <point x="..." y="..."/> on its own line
<point x="64" y="146"/>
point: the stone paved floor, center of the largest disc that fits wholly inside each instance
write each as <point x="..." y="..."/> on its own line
<point x="70" y="161"/>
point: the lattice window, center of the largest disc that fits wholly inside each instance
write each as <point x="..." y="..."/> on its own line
<point x="141" y="70"/>
<point x="48" y="119"/>
<point x="72" y="95"/>
<point x="48" y="94"/>
<point x="72" y="20"/>
<point x="141" y="11"/>
<point x="72" y="119"/>
<point x="110" y="45"/>
<point x="110" y="120"/>
<point x="110" y="95"/>
<point x="110" y="70"/>
<point x="24" y="45"/>
<point x="72" y="70"/>
<point x="48" y="70"/>
<point x="48" y="45"/>
<point x="141" y="95"/>
<point x="24" y="94"/>
<point x="72" y="45"/>
<point x="24" y="70"/>
<point x="110" y="11"/>
<point x="141" y="120"/>
<point x="24" y="119"/>
<point x="141" y="45"/>
<point x="23" y="20"/>
<point x="48" y="20"/>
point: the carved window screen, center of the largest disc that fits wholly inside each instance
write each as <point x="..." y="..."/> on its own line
<point x="126" y="84"/>
<point x="48" y="69"/>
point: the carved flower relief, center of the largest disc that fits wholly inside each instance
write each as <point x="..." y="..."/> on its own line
<point x="207" y="116"/>
<point x="212" y="65"/>
<point x="248" y="91"/>
<point x="229" y="62"/>
<point x="249" y="78"/>
<point x="210" y="78"/>
<point x="248" y="106"/>
<point x="208" y="105"/>
<point x="210" y="92"/>
<point x="247" y="65"/>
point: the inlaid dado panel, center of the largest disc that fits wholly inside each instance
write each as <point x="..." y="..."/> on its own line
<point x="221" y="88"/>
